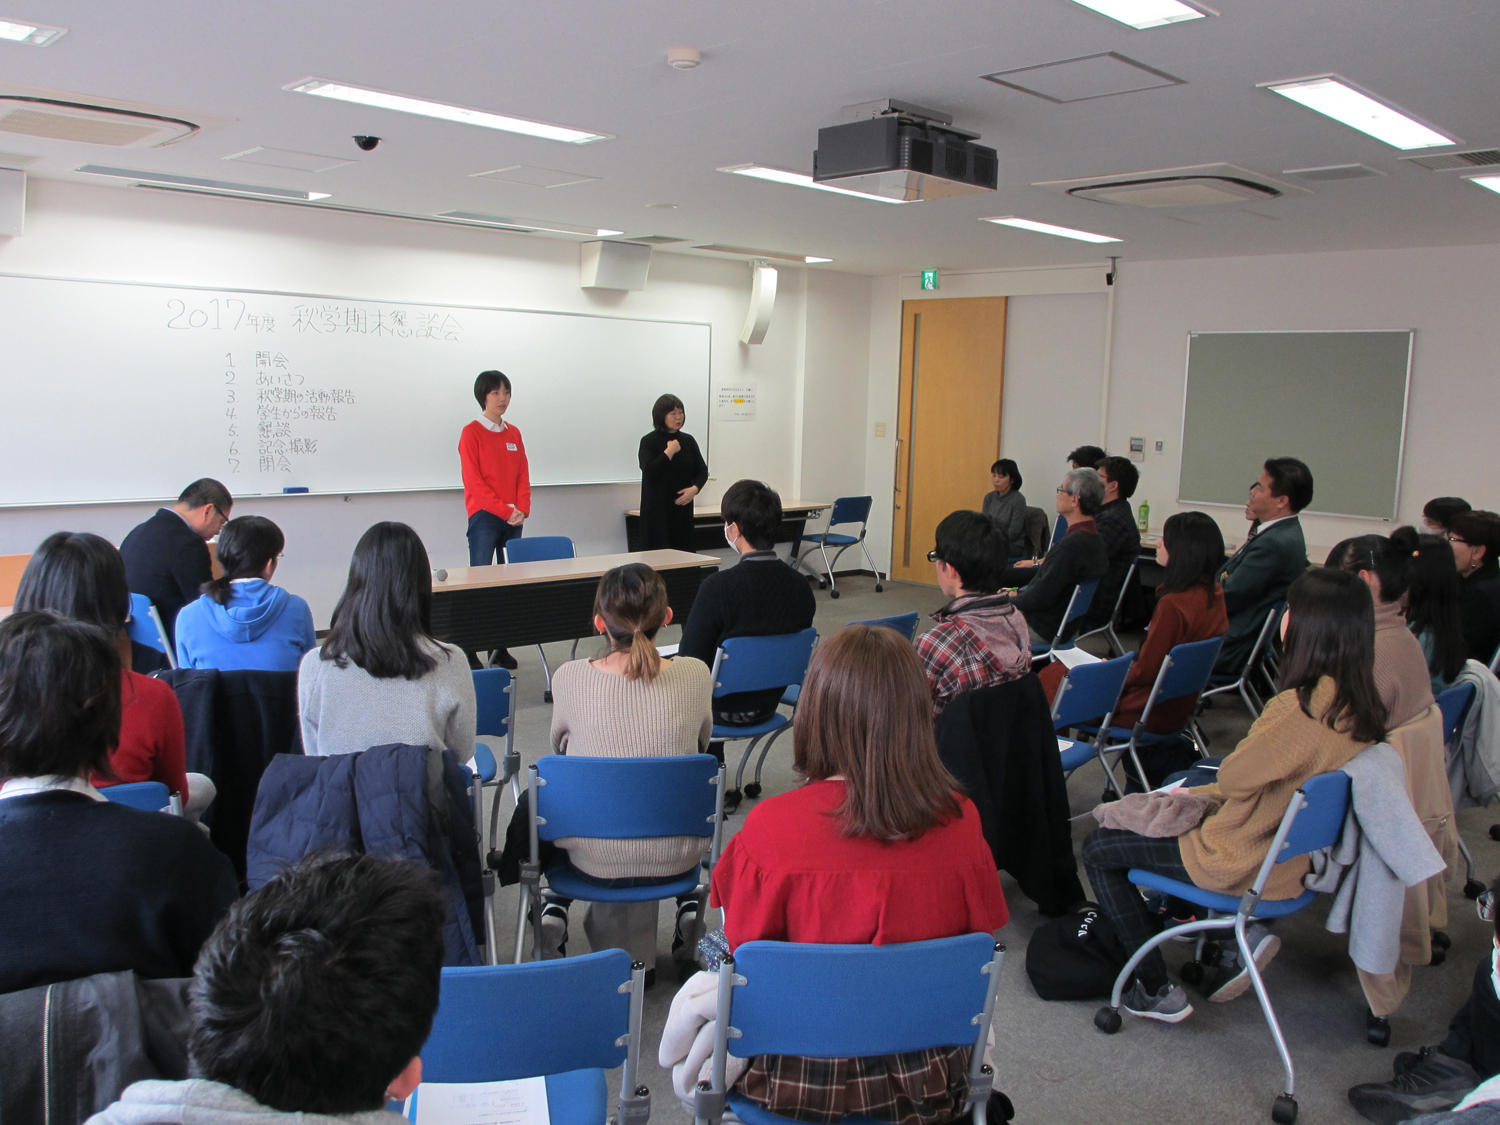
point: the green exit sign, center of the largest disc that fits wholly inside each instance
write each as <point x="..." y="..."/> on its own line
<point x="929" y="279"/>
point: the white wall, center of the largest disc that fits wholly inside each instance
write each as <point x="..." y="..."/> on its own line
<point x="83" y="231"/>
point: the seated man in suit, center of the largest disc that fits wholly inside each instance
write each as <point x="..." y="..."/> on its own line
<point x="1122" y="538"/>
<point x="760" y="596"/>
<point x="166" y="558"/>
<point x="313" y="997"/>
<point x="1272" y="556"/>
<point x="980" y="639"/>
<point x="1077" y="557"/>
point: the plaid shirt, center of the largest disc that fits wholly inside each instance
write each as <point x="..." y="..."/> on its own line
<point x="959" y="657"/>
<point x="916" y="1088"/>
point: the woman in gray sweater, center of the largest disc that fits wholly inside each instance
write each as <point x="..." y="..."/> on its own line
<point x="629" y="703"/>
<point x="1006" y="506"/>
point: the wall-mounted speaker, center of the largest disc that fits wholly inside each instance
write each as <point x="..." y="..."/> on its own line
<point x="762" y="304"/>
<point x="12" y="202"/>
<point x="614" y="265"/>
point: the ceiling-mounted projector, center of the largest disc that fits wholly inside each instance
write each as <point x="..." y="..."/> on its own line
<point x="903" y="152"/>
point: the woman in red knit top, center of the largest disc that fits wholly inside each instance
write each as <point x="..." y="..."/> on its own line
<point x="877" y="847"/>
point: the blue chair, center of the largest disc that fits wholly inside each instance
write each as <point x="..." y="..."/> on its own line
<point x="1090" y="693"/>
<point x="1253" y="664"/>
<point x="1078" y="604"/>
<point x="568" y="1020"/>
<point x="542" y="548"/>
<point x="621" y="799"/>
<point x="1495" y="661"/>
<point x="903" y="623"/>
<point x="755" y="664"/>
<point x="846" y="510"/>
<point x="1454" y="706"/>
<point x="1314" y="819"/>
<point x="1112" y="638"/>
<point x="148" y="796"/>
<point x="852" y="1001"/>
<point x="144" y="627"/>
<point x="494" y="694"/>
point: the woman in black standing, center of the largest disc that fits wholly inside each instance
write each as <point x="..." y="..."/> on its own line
<point x="672" y="473"/>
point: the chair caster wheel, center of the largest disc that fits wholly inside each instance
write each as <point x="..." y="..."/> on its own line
<point x="1473" y="889"/>
<point x="1377" y="1031"/>
<point x="833" y="593"/>
<point x="1284" y="1110"/>
<point x="547" y="696"/>
<point x="1441" y="940"/>
<point x="1495" y="832"/>
<point x="732" y="798"/>
<point x="879" y="589"/>
<point x="822" y="585"/>
<point x="752" y="790"/>
<point x="1439" y="955"/>
<point x="1191" y="974"/>
<point x="1107" y="1020"/>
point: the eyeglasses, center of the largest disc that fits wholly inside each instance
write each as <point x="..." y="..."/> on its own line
<point x="220" y="513"/>
<point x="1063" y="492"/>
<point x="932" y="556"/>
<point x="1456" y="539"/>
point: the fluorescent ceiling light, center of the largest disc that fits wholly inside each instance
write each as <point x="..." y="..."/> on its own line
<point x="36" y="34"/>
<point x="227" y="187"/>
<point x="1334" y="97"/>
<point x="525" y="226"/>
<point x="1141" y="14"/>
<point x="1492" y="181"/>
<point x="797" y="179"/>
<point x="811" y="260"/>
<point x="1048" y="228"/>
<point x="464" y="115"/>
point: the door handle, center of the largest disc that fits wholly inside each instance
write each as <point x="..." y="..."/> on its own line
<point x="896" y="484"/>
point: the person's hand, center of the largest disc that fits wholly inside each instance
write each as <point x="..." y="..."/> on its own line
<point x="1026" y="562"/>
<point x="674" y="447"/>
<point x="517" y="517"/>
<point x="686" y="495"/>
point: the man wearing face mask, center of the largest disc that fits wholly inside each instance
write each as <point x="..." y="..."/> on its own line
<point x="760" y="596"/>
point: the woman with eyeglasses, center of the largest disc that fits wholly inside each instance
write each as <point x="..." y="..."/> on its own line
<point x="1475" y="538"/>
<point x="241" y="620"/>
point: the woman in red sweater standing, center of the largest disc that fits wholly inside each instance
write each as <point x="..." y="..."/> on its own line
<point x="877" y="847"/>
<point x="497" y="479"/>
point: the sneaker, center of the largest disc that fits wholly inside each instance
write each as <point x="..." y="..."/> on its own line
<point x="1407" y="1059"/>
<point x="1168" y="1004"/>
<point x="1436" y="1083"/>
<point x="554" y="931"/>
<point x="1234" y="977"/>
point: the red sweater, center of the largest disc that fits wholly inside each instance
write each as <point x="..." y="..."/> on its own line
<point x="791" y="875"/>
<point x="153" y="745"/>
<point x="496" y="477"/>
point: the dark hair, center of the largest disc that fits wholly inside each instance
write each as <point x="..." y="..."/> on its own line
<point x="489" y="381"/>
<point x="59" y="696"/>
<point x="1478" y="529"/>
<point x="1442" y="509"/>
<point x="1087" y="456"/>
<point x="1008" y="468"/>
<point x="975" y="546"/>
<point x="318" y="989"/>
<point x="1195" y="551"/>
<point x="385" y="612"/>
<point x="246" y="545"/>
<point x="1292" y="479"/>
<point x="1123" y="472"/>
<point x="1332" y="633"/>
<point x="207" y="491"/>
<point x="1388" y="559"/>
<point x="632" y="599"/>
<point x="866" y="713"/>
<point x="755" y="509"/>
<point x="78" y="575"/>
<point x="662" y="407"/>
<point x="1432" y="605"/>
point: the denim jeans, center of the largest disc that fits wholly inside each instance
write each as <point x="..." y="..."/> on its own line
<point x="488" y="534"/>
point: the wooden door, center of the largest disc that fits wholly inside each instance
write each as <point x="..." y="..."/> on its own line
<point x="947" y="420"/>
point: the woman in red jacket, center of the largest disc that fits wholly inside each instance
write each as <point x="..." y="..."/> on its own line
<point x="877" y="847"/>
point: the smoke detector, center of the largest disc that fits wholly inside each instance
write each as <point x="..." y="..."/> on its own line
<point x="684" y="58"/>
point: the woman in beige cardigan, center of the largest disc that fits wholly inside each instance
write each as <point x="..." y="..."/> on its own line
<point x="1327" y="712"/>
<point x="629" y="703"/>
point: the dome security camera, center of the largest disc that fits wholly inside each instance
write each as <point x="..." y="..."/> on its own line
<point x="367" y="144"/>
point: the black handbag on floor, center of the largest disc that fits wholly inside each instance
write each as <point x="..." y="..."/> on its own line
<point x="1075" y="957"/>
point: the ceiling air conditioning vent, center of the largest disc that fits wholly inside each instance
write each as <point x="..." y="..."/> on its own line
<point x="1333" y="172"/>
<point x="1452" y="161"/>
<point x="657" y="239"/>
<point x="1203" y="185"/>
<point x="73" y="121"/>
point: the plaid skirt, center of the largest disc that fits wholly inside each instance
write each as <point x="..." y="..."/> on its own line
<point x="916" y="1088"/>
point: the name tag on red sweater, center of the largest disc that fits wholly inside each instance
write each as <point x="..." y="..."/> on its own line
<point x="510" y="445"/>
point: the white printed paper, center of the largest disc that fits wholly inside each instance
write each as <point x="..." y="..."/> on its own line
<point x="1064" y="745"/>
<point x="522" y="1101"/>
<point x="737" y="403"/>
<point x="1073" y="657"/>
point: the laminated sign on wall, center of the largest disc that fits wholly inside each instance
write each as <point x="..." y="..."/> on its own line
<point x="737" y="404"/>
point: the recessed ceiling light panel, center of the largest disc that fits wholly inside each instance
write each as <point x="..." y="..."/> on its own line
<point x="33" y="34"/>
<point x="1491" y="182"/>
<point x="1141" y="14"/>
<point x="227" y="187"/>
<point x="290" y="159"/>
<point x="1341" y="100"/>
<point x="1048" y="228"/>
<point x="797" y="179"/>
<point x="464" y="115"/>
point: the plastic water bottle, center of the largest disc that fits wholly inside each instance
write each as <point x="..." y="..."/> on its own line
<point x="1143" y="517"/>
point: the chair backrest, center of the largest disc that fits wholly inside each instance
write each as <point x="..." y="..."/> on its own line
<point x="625" y="798"/>
<point x="539" y="548"/>
<point x="141" y="628"/>
<point x="493" y="695"/>
<point x="1085" y="598"/>
<point x="499" y="1022"/>
<point x="903" y="623"/>
<point x="1090" y="691"/>
<point x="759" y="663"/>
<point x="1035" y="530"/>
<point x="1454" y="704"/>
<point x="1186" y="669"/>
<point x="149" y="796"/>
<point x="1114" y="616"/>
<point x="850" y="509"/>
<point x="846" y="1001"/>
<point x="1059" y="529"/>
<point x="1323" y="800"/>
<point x="1264" y="639"/>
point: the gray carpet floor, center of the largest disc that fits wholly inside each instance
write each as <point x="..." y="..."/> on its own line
<point x="1219" y="1064"/>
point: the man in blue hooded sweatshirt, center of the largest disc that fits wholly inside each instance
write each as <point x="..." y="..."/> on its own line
<point x="242" y="621"/>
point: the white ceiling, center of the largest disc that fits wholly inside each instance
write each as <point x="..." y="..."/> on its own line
<point x="774" y="71"/>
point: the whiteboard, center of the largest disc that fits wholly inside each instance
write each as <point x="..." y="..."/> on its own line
<point x="114" y="391"/>
<point x="1334" y="400"/>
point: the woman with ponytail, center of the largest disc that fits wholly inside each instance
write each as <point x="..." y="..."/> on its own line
<point x="242" y="621"/>
<point x="628" y="703"/>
